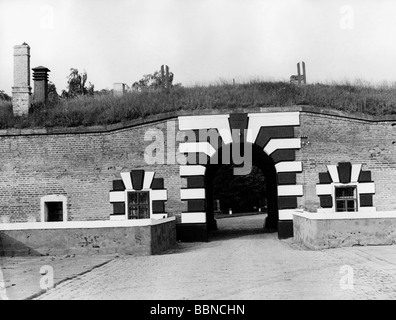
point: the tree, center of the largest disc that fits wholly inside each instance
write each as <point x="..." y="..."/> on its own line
<point x="53" y="96"/>
<point x="103" y="92"/>
<point x="4" y="96"/>
<point x="77" y="85"/>
<point x="241" y="193"/>
<point x="153" y="81"/>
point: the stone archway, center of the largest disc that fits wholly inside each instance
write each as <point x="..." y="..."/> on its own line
<point x="273" y="141"/>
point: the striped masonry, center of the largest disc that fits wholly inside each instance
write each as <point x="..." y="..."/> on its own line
<point x="138" y="180"/>
<point x="345" y="173"/>
<point x="272" y="132"/>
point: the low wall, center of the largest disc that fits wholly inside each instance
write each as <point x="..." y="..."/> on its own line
<point x="138" y="237"/>
<point x="331" y="230"/>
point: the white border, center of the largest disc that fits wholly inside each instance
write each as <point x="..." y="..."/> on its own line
<point x="355" y="172"/>
<point x="82" y="224"/>
<point x="193" y="170"/>
<point x="197" y="147"/>
<point x="191" y="194"/>
<point x="154" y="195"/>
<point x="333" y="171"/>
<point x="219" y="122"/>
<point x="193" y="217"/>
<point x="289" y="166"/>
<point x="126" y="178"/>
<point x="361" y="188"/>
<point x="259" y="120"/>
<point x="53" y="198"/>
<point x="117" y="196"/>
<point x="290" y="190"/>
<point x="347" y="215"/>
<point x="278" y="143"/>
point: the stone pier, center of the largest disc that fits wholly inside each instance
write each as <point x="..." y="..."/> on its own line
<point x="21" y="91"/>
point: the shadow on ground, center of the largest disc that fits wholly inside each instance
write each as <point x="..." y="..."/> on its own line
<point x="239" y="226"/>
<point x="226" y="234"/>
<point x="235" y="227"/>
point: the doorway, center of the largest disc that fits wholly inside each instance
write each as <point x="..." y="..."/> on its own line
<point x="255" y="193"/>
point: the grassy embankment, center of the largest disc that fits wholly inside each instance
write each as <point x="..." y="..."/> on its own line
<point x="102" y="110"/>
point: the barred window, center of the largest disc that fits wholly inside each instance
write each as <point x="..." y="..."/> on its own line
<point x="346" y="199"/>
<point x="138" y="205"/>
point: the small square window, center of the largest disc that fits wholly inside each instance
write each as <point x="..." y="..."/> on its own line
<point x="53" y="208"/>
<point x="346" y="199"/>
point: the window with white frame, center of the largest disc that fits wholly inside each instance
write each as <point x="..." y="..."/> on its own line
<point x="346" y="199"/>
<point x="53" y="208"/>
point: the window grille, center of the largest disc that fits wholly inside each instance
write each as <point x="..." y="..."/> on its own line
<point x="138" y="205"/>
<point x="346" y="199"/>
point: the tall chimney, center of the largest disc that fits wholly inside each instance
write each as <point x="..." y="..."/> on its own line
<point x="40" y="77"/>
<point x="21" y="91"/>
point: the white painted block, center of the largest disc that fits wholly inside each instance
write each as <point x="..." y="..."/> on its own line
<point x="356" y="168"/>
<point x="126" y="178"/>
<point x="275" y="144"/>
<point x="191" y="194"/>
<point x="148" y="179"/>
<point x="289" y="166"/>
<point x="83" y="224"/>
<point x="286" y="214"/>
<point x="159" y="216"/>
<point x="258" y="120"/>
<point x="324" y="189"/>
<point x="219" y="122"/>
<point x="118" y="218"/>
<point x="333" y="173"/>
<point x="364" y="188"/>
<point x="159" y="195"/>
<point x="367" y="209"/>
<point x="225" y="134"/>
<point x="197" y="170"/>
<point x="325" y="210"/>
<point x="117" y="196"/>
<point x="196" y="147"/>
<point x="193" y="217"/>
<point x="290" y="190"/>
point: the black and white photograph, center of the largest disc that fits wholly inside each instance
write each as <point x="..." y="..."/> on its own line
<point x="197" y="156"/>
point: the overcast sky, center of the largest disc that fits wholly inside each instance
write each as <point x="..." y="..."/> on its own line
<point x="202" y="41"/>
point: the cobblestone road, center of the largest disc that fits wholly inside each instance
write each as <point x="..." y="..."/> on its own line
<point x="240" y="264"/>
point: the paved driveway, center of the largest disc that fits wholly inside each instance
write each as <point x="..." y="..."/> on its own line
<point x="240" y="262"/>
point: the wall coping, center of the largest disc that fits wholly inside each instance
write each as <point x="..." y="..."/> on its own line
<point x="82" y="224"/>
<point x="179" y="113"/>
<point x="346" y="215"/>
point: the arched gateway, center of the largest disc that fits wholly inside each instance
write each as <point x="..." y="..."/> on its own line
<point x="330" y="179"/>
<point x="264" y="140"/>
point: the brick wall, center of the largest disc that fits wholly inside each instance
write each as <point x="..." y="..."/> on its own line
<point x="78" y="166"/>
<point x="82" y="166"/>
<point x="333" y="139"/>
